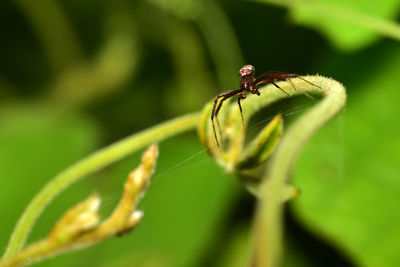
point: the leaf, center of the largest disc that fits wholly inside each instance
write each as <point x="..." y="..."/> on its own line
<point x="349" y="173"/>
<point x="339" y="28"/>
<point x="349" y="25"/>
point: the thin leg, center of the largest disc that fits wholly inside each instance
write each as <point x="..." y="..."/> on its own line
<point x="219" y="130"/>
<point x="220" y="104"/>
<point x="213" y="114"/>
<point x="225" y="95"/>
<point x="231" y="93"/>
<point x="280" y="88"/>
<point x="313" y="84"/>
<point x="294" y="87"/>
<point x="216" y="115"/>
<point x="215" y="110"/>
<point x="301" y="78"/>
<point x="240" y="107"/>
<point x="305" y="93"/>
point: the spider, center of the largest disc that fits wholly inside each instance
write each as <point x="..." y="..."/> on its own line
<point x="249" y="83"/>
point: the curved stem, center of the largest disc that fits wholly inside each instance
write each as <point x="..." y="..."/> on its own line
<point x="92" y="163"/>
<point x="269" y="213"/>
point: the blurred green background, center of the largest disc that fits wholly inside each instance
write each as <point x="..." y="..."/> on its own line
<point x="78" y="75"/>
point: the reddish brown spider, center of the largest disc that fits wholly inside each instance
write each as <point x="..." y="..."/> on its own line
<point x="249" y="84"/>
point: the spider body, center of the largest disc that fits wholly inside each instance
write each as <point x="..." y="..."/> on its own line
<point x="249" y="83"/>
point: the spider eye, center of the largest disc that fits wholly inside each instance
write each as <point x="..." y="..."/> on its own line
<point x="246" y="70"/>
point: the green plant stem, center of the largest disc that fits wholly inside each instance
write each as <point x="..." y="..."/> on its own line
<point x="269" y="214"/>
<point x="92" y="163"/>
<point x="35" y="251"/>
<point x="80" y="227"/>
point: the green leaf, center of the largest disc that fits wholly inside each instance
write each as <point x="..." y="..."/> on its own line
<point x="333" y="18"/>
<point x="349" y="173"/>
<point x="349" y="25"/>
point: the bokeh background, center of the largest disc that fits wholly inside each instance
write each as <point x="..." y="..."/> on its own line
<point x="78" y="75"/>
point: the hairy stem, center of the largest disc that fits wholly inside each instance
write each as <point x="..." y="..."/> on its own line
<point x="269" y="213"/>
<point x="92" y="163"/>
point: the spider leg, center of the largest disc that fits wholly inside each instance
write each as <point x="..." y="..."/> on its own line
<point x="277" y="86"/>
<point x="305" y="93"/>
<point x="294" y="87"/>
<point x="221" y="102"/>
<point x="231" y="93"/>
<point x="219" y="131"/>
<point x="270" y="77"/>
<point x="215" y="110"/>
<point x="242" y="96"/>
<point x="301" y="78"/>
<point x="212" y="117"/>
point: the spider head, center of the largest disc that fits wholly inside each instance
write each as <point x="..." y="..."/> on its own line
<point x="246" y="70"/>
